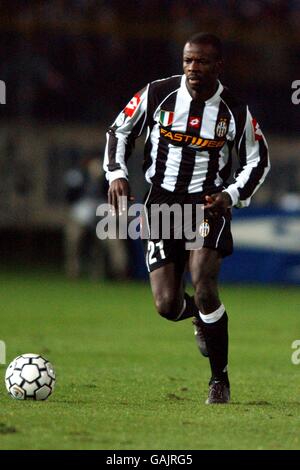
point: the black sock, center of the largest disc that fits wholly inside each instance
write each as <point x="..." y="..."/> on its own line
<point x="216" y="337"/>
<point x="191" y="310"/>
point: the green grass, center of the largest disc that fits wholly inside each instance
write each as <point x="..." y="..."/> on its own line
<point x="128" y="379"/>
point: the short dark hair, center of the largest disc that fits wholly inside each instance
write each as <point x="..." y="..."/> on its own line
<point x="207" y="38"/>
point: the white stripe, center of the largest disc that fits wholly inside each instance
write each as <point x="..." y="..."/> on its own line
<point x="217" y="242"/>
<point x="210" y="114"/>
<point x="172" y="168"/>
<point x="181" y="114"/>
<point x="199" y="172"/>
<point x="155" y="142"/>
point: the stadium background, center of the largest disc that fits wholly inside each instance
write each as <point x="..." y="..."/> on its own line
<point x="69" y="67"/>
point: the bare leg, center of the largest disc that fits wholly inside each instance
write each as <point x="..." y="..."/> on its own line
<point x="204" y="267"/>
<point x="168" y="291"/>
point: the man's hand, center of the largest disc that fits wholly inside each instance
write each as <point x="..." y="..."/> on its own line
<point x="217" y="204"/>
<point x="118" y="191"/>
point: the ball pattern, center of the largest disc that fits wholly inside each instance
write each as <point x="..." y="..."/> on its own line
<point x="30" y="376"/>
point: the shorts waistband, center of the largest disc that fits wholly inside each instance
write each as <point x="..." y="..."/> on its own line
<point x="201" y="194"/>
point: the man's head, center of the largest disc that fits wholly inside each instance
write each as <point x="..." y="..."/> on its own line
<point x="202" y="60"/>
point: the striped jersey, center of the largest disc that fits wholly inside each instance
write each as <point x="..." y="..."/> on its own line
<point x="189" y="143"/>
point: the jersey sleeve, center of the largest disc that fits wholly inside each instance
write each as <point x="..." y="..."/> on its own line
<point x="254" y="163"/>
<point x="120" y="137"/>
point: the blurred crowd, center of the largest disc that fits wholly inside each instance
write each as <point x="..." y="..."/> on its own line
<point x="81" y="59"/>
<point x="85" y="189"/>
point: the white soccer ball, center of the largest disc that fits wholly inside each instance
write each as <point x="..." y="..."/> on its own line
<point x="30" y="376"/>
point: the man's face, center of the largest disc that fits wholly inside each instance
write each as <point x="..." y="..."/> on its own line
<point x="200" y="65"/>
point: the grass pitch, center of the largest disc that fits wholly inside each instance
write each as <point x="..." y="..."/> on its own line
<point x="128" y="379"/>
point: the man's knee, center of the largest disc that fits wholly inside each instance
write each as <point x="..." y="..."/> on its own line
<point x="167" y="306"/>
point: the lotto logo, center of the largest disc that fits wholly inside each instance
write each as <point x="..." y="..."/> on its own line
<point x="194" y="122"/>
<point x="132" y="105"/>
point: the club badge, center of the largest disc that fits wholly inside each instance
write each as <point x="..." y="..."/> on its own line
<point x="204" y="229"/>
<point x="221" y="128"/>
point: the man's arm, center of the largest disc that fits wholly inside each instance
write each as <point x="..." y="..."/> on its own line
<point x="252" y="150"/>
<point x="253" y="154"/>
<point x="119" y="145"/>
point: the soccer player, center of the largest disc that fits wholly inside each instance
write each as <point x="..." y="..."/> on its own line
<point x="193" y="122"/>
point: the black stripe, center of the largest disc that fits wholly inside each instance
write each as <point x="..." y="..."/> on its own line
<point x="161" y="160"/>
<point x="225" y="116"/>
<point x="240" y="140"/>
<point x="212" y="169"/>
<point x="188" y="154"/>
<point x="159" y="89"/>
<point x="214" y="154"/>
<point x="163" y="146"/>
<point x="113" y="143"/>
<point x="256" y="173"/>
<point x="225" y="172"/>
<point x="111" y="150"/>
<point x="136" y="130"/>
<point x="239" y="111"/>
<point x="242" y="155"/>
<point x="147" y="153"/>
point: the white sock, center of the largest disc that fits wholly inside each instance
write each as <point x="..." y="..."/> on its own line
<point x="213" y="316"/>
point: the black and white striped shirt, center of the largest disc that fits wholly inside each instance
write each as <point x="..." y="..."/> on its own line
<point x="189" y="143"/>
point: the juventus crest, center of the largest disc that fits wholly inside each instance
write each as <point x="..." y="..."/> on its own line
<point x="221" y="128"/>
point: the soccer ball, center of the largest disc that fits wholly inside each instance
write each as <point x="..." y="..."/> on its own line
<point x="30" y="376"/>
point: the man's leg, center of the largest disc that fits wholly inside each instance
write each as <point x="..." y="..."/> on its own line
<point x="171" y="302"/>
<point x="204" y="267"/>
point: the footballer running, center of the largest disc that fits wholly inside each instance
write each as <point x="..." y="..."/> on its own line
<point x="193" y="123"/>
